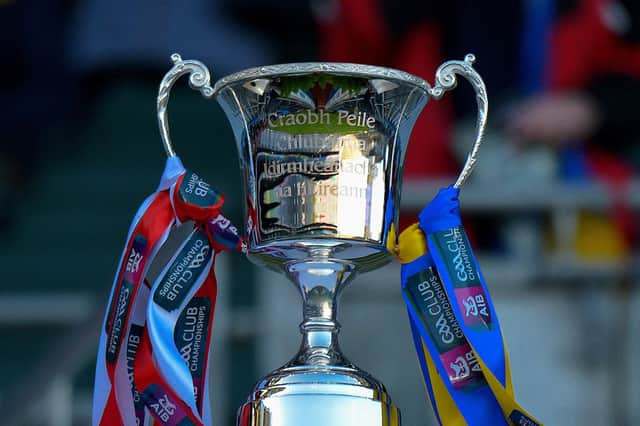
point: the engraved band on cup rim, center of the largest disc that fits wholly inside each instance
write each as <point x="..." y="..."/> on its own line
<point x="300" y="68"/>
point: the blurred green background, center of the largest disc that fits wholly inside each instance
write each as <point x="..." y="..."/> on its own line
<point x="552" y="208"/>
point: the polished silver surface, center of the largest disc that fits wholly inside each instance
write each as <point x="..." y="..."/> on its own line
<point x="321" y="148"/>
<point x="322" y="155"/>
<point x="199" y="79"/>
<point x="302" y="68"/>
<point x="318" y="397"/>
<point x="446" y="80"/>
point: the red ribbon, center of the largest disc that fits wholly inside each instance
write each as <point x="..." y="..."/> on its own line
<point x="163" y="209"/>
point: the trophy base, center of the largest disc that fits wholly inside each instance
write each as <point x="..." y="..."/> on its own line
<point x="319" y="396"/>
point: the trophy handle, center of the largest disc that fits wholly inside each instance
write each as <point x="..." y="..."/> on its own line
<point x="446" y="80"/>
<point x="199" y="79"/>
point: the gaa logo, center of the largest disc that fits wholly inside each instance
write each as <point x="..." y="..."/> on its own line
<point x="444" y="330"/>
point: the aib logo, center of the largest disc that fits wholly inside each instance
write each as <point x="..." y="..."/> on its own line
<point x="133" y="264"/>
<point x="164" y="408"/>
<point x="475" y="306"/>
<point x="464" y="365"/>
<point x="460" y="368"/>
<point x="224" y="224"/>
<point x="135" y="259"/>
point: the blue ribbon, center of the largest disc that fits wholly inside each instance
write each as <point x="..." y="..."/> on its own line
<point x="461" y="276"/>
<point x="474" y="400"/>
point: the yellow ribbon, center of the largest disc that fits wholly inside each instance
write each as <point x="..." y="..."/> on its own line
<point x="411" y="245"/>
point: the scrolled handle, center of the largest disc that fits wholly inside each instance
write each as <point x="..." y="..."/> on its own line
<point x="446" y="80"/>
<point x="199" y="79"/>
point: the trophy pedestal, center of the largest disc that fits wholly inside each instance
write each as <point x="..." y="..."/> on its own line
<point x="319" y="386"/>
<point x="319" y="396"/>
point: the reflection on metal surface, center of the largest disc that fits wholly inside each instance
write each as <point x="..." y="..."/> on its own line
<point x="321" y="155"/>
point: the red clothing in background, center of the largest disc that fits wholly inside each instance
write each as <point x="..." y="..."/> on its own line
<point x="358" y="33"/>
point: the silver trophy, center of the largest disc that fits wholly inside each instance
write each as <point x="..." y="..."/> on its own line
<point x="322" y="149"/>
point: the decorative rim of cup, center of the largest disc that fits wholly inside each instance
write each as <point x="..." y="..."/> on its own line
<point x="299" y="68"/>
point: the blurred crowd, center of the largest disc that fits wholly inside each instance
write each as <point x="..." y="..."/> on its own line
<point x="563" y="75"/>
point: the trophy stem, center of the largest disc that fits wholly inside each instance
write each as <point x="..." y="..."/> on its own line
<point x="319" y="387"/>
<point x="320" y="283"/>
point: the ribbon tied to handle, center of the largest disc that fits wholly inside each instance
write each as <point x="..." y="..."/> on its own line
<point x="153" y="355"/>
<point x="455" y="327"/>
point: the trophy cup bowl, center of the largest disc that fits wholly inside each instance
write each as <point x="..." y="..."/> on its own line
<point x="321" y="148"/>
